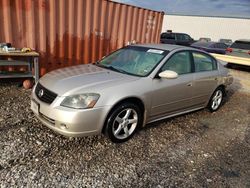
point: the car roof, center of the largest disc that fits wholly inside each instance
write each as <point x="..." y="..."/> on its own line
<point x="210" y="42"/>
<point x="224" y="39"/>
<point x="168" y="47"/>
<point x="243" y="40"/>
<point x="175" y="33"/>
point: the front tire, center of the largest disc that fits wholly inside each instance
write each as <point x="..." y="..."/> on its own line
<point x="123" y="122"/>
<point x="216" y="99"/>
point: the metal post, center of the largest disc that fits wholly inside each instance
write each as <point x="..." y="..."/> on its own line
<point x="36" y="67"/>
<point x="30" y="64"/>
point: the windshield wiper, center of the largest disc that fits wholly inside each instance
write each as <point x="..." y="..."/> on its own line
<point x="116" y="69"/>
<point x="110" y="67"/>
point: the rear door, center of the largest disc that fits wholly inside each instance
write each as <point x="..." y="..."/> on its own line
<point x="205" y="78"/>
<point x="171" y="96"/>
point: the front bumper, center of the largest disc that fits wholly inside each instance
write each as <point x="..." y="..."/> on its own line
<point x="71" y="122"/>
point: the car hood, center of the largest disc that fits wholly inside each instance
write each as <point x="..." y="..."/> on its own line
<point x="83" y="78"/>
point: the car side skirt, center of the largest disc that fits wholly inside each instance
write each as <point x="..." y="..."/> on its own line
<point x="173" y="115"/>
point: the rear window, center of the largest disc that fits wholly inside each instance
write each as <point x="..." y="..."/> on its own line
<point x="241" y="45"/>
<point x="226" y="40"/>
<point x="203" y="62"/>
<point x="202" y="44"/>
<point x="220" y="45"/>
<point x="182" y="37"/>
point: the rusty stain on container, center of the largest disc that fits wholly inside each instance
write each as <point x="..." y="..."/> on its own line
<point x="70" y="32"/>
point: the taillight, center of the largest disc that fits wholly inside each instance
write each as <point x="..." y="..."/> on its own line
<point x="249" y="52"/>
<point x="230" y="50"/>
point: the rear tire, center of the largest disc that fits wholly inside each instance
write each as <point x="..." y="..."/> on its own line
<point x="216" y="99"/>
<point x="123" y="122"/>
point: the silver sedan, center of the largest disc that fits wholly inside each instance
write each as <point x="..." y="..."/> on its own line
<point x="129" y="88"/>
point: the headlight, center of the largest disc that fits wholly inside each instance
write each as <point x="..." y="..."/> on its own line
<point x="81" y="101"/>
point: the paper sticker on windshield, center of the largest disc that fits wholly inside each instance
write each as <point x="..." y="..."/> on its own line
<point x="155" y="51"/>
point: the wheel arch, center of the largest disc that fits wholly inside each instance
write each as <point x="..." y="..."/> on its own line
<point x="219" y="86"/>
<point x="223" y="87"/>
<point x="134" y="100"/>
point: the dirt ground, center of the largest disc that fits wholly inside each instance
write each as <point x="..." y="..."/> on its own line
<point x="200" y="149"/>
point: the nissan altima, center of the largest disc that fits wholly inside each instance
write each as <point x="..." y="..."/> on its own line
<point x="131" y="87"/>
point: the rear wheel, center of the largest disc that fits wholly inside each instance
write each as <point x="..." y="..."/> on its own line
<point x="216" y="99"/>
<point x="123" y="122"/>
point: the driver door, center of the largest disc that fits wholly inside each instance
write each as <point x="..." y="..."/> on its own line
<point x="171" y="96"/>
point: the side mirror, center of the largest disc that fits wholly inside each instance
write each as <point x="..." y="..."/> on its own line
<point x="168" y="74"/>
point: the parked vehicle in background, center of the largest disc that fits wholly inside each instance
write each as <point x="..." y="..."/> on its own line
<point x="211" y="47"/>
<point x="176" y="38"/>
<point x="240" y="48"/>
<point x="129" y="88"/>
<point x="226" y="41"/>
<point x="203" y="39"/>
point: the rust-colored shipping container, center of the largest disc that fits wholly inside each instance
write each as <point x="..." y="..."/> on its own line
<point x="70" y="32"/>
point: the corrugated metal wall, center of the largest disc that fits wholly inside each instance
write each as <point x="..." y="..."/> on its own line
<point x="69" y="32"/>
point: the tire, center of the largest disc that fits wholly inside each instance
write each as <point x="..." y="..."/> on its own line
<point x="123" y="122"/>
<point x="216" y="99"/>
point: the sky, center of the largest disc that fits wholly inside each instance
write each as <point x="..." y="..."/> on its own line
<point x="224" y="8"/>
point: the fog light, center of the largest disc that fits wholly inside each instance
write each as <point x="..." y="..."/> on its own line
<point x="63" y="126"/>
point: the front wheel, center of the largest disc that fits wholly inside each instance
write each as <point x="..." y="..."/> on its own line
<point x="123" y="122"/>
<point x="216" y="99"/>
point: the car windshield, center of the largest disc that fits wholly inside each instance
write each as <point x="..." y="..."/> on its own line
<point x="133" y="60"/>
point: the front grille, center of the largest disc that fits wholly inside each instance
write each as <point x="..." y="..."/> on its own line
<point x="47" y="95"/>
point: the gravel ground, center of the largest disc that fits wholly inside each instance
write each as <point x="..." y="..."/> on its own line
<point x="200" y="149"/>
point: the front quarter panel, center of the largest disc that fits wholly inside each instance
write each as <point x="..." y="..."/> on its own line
<point x="141" y="89"/>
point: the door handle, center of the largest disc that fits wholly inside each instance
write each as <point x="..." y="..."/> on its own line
<point x="190" y="84"/>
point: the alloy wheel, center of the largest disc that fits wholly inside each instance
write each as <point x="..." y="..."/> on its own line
<point x="125" y="123"/>
<point x="216" y="100"/>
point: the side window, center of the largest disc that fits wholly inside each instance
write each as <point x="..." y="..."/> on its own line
<point x="179" y="62"/>
<point x="170" y="36"/>
<point x="163" y="35"/>
<point x="223" y="46"/>
<point x="203" y="62"/>
<point x="183" y="37"/>
<point x="217" y="45"/>
<point x="180" y="37"/>
<point x="187" y="37"/>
